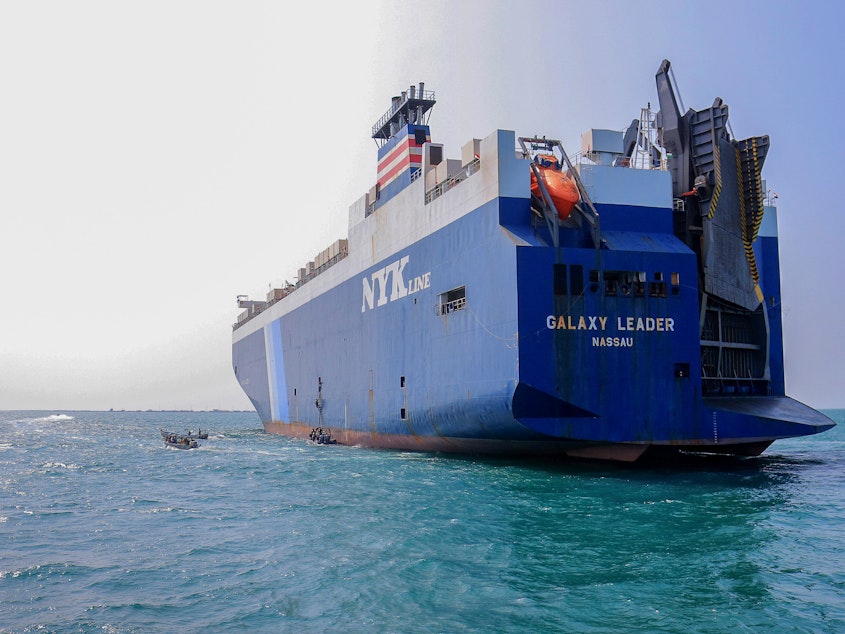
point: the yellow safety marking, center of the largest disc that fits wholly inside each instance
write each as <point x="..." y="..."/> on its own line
<point x="717" y="164"/>
<point x="749" y="249"/>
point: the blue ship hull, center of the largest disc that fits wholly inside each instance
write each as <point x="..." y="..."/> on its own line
<point x="466" y="318"/>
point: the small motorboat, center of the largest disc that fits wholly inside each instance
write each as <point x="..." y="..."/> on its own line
<point x="321" y="437"/>
<point x="179" y="441"/>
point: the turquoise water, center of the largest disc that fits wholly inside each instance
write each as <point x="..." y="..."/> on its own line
<point x="103" y="528"/>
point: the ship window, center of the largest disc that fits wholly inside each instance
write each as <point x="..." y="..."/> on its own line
<point x="453" y="300"/>
<point x="294" y="391"/>
<point x="560" y="279"/>
<point x="576" y="279"/>
<point x="594" y="280"/>
<point x="624" y="283"/>
<point x="682" y="370"/>
<point x="638" y="283"/>
<point x="403" y="414"/>
<point x="611" y="282"/>
<point x="401" y="381"/>
<point x="676" y="283"/>
<point x="435" y="154"/>
<point x="657" y="288"/>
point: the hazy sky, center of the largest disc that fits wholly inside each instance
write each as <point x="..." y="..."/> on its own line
<point x="159" y="158"/>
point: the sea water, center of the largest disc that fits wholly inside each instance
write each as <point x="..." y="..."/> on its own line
<point x="104" y="529"/>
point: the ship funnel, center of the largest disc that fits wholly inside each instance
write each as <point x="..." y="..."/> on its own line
<point x="409" y="107"/>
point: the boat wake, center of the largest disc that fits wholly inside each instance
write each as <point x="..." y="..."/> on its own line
<point x="54" y="418"/>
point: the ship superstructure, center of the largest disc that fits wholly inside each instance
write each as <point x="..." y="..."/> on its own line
<point x="621" y="301"/>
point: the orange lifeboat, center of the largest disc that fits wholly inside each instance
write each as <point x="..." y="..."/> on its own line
<point x="561" y="188"/>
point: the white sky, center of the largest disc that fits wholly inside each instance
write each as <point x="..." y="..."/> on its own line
<point x="159" y="158"/>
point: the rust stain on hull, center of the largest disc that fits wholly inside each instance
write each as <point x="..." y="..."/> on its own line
<point x="616" y="452"/>
<point x="444" y="444"/>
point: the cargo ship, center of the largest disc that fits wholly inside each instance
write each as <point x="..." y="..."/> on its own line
<point x="617" y="303"/>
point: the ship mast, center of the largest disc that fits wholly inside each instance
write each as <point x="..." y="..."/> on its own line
<point x="413" y="106"/>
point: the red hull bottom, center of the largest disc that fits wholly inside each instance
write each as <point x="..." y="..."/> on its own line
<point x="615" y="452"/>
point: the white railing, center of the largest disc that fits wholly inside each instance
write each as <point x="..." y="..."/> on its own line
<point x="441" y="188"/>
<point x="450" y="307"/>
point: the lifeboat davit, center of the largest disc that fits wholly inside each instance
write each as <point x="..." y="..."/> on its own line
<point x="561" y="187"/>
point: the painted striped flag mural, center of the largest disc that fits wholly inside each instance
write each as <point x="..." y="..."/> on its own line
<point x="402" y="154"/>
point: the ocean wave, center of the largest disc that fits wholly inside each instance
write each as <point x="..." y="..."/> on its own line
<point x="52" y="418"/>
<point x="56" y="418"/>
<point x="50" y="466"/>
<point x="26" y="571"/>
<point x="276" y="535"/>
